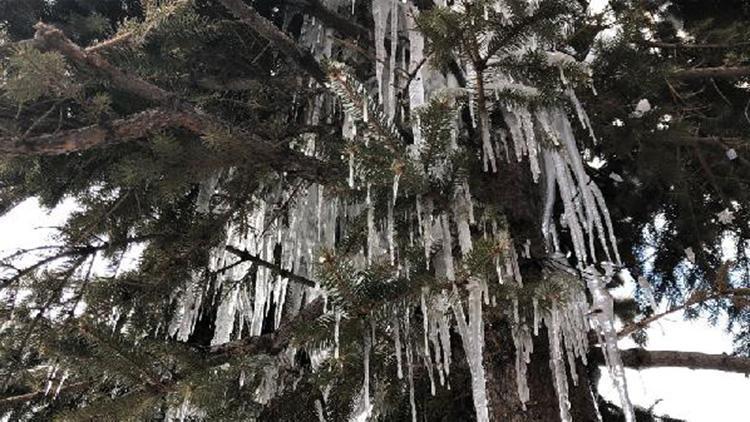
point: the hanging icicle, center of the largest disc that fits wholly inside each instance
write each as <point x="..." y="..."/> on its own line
<point x="602" y="319"/>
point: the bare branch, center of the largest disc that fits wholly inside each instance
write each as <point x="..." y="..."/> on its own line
<point x="699" y="298"/>
<point x="276" y="156"/>
<point x="641" y="358"/>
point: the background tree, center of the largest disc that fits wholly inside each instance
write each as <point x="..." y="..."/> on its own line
<point x="367" y="208"/>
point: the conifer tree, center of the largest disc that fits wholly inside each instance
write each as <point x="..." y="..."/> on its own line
<point x="365" y="209"/>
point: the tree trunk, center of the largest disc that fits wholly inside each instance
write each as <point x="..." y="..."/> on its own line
<point x="502" y="390"/>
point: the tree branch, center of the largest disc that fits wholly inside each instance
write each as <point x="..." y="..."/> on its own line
<point x="699" y="298"/>
<point x="725" y="72"/>
<point x="278" y="157"/>
<point x="641" y="358"/>
<point x="134" y="127"/>
<point x="681" y="46"/>
<point x="49" y="38"/>
<point x="247" y="256"/>
<point x="25" y="398"/>
<point x="269" y="31"/>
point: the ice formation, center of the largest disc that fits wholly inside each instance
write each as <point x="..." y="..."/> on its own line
<point x="602" y="317"/>
<point x="314" y="219"/>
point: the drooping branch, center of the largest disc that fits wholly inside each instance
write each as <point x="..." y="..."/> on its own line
<point x="283" y="42"/>
<point x="641" y="358"/>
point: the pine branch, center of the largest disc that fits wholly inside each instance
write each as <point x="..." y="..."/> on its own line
<point x="49" y="38"/>
<point x="248" y="15"/>
<point x="640" y="358"/>
<point x="134" y="127"/>
<point x="28" y="397"/>
<point x="278" y="157"/>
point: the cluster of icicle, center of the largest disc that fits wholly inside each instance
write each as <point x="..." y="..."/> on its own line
<point x="542" y="135"/>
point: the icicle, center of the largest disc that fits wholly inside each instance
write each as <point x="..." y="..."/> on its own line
<point x="444" y="333"/>
<point x="410" y="366"/>
<point x="472" y="337"/>
<point x="371" y="233"/>
<point x="583" y="117"/>
<point x="557" y="364"/>
<point x="524" y="347"/>
<point x="351" y="169"/>
<point x="225" y="317"/>
<point x="488" y="151"/>
<point x="462" y="215"/>
<point x="648" y="291"/>
<point x="391" y="228"/>
<point x="380" y="17"/>
<point x="416" y="87"/>
<point x="396" y="177"/>
<point x="397" y="344"/>
<point x="549" y="197"/>
<point x="390" y="108"/>
<point x="602" y="317"/>
<point x="366" y="385"/>
<point x="319" y="411"/>
<point x="60" y="384"/>
<point x="425" y="320"/>
<point x="535" y="304"/>
<point x="450" y="273"/>
<point x="336" y="333"/>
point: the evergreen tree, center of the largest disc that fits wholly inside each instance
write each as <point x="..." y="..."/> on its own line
<point x="364" y="209"/>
